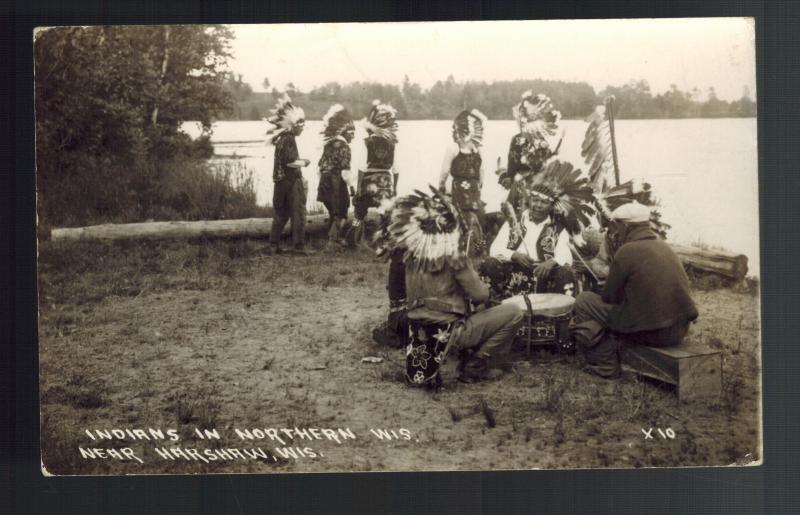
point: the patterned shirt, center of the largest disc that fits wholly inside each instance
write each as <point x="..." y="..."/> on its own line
<point x="285" y="154"/>
<point x="335" y="157"/>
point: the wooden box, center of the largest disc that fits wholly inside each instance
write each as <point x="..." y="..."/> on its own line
<point x="695" y="370"/>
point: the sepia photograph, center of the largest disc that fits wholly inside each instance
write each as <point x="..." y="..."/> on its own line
<point x="416" y="246"/>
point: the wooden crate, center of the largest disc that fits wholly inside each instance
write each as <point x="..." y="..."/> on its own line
<point x="695" y="370"/>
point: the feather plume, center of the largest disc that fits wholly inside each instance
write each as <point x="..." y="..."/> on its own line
<point x="570" y="192"/>
<point x="285" y="116"/>
<point x="428" y="228"/>
<point x="538" y="121"/>
<point x="468" y="127"/>
<point x="336" y="122"/>
<point x="381" y="121"/>
<point x="597" y="150"/>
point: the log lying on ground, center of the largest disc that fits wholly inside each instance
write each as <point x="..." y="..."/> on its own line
<point x="248" y="227"/>
<point x="718" y="262"/>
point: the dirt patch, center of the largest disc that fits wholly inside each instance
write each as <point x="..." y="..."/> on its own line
<point x="189" y="336"/>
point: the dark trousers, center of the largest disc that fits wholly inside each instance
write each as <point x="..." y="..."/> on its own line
<point x="398" y="314"/>
<point x="602" y="347"/>
<point x="289" y="202"/>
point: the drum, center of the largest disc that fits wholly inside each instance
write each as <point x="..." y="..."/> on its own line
<point x="547" y="320"/>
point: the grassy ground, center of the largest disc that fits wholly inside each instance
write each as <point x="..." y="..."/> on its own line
<point x="219" y="335"/>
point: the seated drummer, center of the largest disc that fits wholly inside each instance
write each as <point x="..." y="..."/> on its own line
<point x="645" y="300"/>
<point x="532" y="254"/>
<point x="443" y="287"/>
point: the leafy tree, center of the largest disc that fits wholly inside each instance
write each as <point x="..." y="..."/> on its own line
<point x="109" y="103"/>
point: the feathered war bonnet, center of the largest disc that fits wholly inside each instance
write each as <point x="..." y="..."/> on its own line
<point x="468" y="127"/>
<point x="538" y="122"/>
<point x="612" y="198"/>
<point x="285" y="117"/>
<point x="336" y="122"/>
<point x="381" y="121"/>
<point x="568" y="190"/>
<point x="429" y="230"/>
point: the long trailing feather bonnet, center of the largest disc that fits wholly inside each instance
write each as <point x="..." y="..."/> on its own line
<point x="381" y="121"/>
<point x="598" y="149"/>
<point x="468" y="127"/>
<point x="599" y="152"/>
<point x="570" y="193"/>
<point x="428" y="229"/>
<point x="336" y="122"/>
<point x="285" y="117"/>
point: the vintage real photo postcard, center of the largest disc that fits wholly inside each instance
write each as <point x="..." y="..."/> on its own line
<point x="398" y="246"/>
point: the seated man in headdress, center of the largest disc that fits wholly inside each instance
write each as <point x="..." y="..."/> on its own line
<point x="532" y="254"/>
<point x="645" y="300"/>
<point x="442" y="288"/>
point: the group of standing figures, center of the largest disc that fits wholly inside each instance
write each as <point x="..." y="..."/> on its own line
<point x="336" y="189"/>
<point x="448" y="273"/>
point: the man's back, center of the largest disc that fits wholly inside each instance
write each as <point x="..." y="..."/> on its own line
<point x="648" y="286"/>
<point x="440" y="296"/>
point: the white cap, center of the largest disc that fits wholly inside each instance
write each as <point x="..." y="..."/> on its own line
<point x="632" y="213"/>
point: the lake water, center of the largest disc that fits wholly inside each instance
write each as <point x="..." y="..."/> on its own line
<point x="705" y="171"/>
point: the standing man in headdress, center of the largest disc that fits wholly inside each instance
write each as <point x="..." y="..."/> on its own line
<point x="538" y="140"/>
<point x="380" y="180"/>
<point x="442" y="287"/>
<point x="645" y="300"/>
<point x="289" y="194"/>
<point x="464" y="162"/>
<point x="531" y="254"/>
<point x="334" y="167"/>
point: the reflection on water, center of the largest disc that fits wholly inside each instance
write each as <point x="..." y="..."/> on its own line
<point x="704" y="171"/>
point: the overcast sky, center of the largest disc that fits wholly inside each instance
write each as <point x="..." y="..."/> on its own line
<point x="718" y="52"/>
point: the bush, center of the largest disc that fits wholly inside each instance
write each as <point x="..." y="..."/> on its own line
<point x="198" y="190"/>
<point x="185" y="187"/>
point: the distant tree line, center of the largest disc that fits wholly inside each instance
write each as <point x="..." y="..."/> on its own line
<point x="446" y="98"/>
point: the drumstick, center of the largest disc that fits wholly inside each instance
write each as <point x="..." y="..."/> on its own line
<point x="575" y="251"/>
<point x="514" y="224"/>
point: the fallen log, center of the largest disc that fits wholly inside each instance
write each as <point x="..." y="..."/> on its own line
<point x="248" y="227"/>
<point x="705" y="261"/>
<point x="709" y="261"/>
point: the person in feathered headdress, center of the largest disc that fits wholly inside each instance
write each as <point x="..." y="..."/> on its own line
<point x="631" y="191"/>
<point x="289" y="194"/>
<point x="532" y="254"/>
<point x="379" y="180"/>
<point x="463" y="161"/>
<point x="434" y="241"/>
<point x="538" y="140"/>
<point x="645" y="300"/>
<point x="334" y="166"/>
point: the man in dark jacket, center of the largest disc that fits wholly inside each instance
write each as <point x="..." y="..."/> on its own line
<point x="645" y="301"/>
